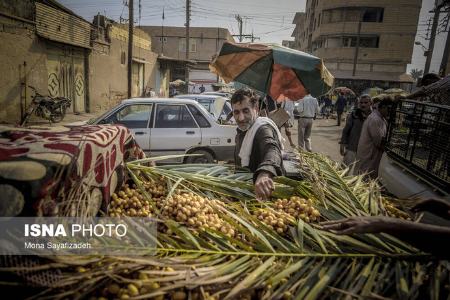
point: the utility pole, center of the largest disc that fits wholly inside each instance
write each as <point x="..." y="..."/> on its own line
<point x="355" y="58"/>
<point x="162" y="33"/>
<point x="432" y="37"/>
<point x="130" y="45"/>
<point x="188" y="19"/>
<point x="239" y="19"/>
<point x="254" y="37"/>
<point x="443" y="69"/>
<point x="241" y="35"/>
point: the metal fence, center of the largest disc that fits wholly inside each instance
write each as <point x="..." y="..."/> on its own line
<point x="419" y="137"/>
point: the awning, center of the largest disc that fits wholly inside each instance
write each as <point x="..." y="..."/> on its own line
<point x="167" y="58"/>
<point x="375" y="76"/>
<point x="203" y="81"/>
<point x="140" y="60"/>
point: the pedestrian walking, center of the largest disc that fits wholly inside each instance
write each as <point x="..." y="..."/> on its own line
<point x="352" y="129"/>
<point x="326" y="109"/>
<point x="308" y="108"/>
<point x="372" y="140"/>
<point x="340" y="107"/>
<point x="288" y="106"/>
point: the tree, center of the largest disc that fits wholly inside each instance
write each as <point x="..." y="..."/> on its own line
<point x="416" y="74"/>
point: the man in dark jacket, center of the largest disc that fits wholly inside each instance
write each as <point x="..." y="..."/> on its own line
<point x="340" y="106"/>
<point x="352" y="130"/>
<point x="258" y="145"/>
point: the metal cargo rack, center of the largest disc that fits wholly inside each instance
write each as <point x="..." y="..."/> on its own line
<point x="419" y="138"/>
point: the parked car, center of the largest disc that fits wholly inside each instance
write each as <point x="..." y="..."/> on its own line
<point x="218" y="106"/>
<point x="222" y="94"/>
<point x="164" y="126"/>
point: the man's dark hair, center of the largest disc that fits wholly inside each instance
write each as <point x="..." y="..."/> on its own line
<point x="429" y="78"/>
<point x="240" y="95"/>
<point x="385" y="102"/>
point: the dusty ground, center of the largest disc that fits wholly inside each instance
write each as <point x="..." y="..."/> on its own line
<point x="324" y="138"/>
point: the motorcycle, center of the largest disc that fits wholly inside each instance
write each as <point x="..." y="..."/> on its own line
<point x="46" y="107"/>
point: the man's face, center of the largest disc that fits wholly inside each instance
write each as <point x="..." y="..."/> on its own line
<point x="385" y="111"/>
<point x="244" y="113"/>
<point x="364" y="104"/>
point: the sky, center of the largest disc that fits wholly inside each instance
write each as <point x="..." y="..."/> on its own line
<point x="418" y="59"/>
<point x="270" y="20"/>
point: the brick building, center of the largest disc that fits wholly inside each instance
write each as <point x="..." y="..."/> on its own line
<point x="49" y="47"/>
<point x="363" y="43"/>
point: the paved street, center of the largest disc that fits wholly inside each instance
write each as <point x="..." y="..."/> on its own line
<point x="324" y="138"/>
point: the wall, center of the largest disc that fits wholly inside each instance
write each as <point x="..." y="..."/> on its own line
<point x="108" y="70"/>
<point x="19" y="45"/>
<point x="396" y="34"/>
<point x="208" y="41"/>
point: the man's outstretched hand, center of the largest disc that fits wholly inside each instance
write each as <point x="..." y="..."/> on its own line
<point x="264" y="186"/>
<point x="357" y="225"/>
<point x="437" y="207"/>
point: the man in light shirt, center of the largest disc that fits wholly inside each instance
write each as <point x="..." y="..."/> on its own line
<point x="308" y="108"/>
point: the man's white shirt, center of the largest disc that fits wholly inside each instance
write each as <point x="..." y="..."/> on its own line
<point x="308" y="107"/>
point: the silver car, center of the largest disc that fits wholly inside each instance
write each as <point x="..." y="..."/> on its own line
<point x="164" y="126"/>
<point x="218" y="106"/>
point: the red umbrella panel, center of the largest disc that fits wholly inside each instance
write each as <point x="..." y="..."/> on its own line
<point x="285" y="84"/>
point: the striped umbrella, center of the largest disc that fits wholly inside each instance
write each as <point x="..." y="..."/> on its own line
<point x="272" y="69"/>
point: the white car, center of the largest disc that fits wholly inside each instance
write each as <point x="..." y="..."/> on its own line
<point x="164" y="126"/>
<point x="218" y="106"/>
<point x="222" y="94"/>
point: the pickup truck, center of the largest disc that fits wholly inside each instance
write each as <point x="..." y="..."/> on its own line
<point x="416" y="163"/>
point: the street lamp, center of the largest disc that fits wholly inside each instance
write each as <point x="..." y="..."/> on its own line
<point x="425" y="49"/>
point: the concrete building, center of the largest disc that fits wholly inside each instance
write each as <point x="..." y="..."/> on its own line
<point x="375" y="38"/>
<point x="170" y="43"/>
<point x="108" y="67"/>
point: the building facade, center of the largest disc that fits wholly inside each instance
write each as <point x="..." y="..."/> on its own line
<point x="46" y="46"/>
<point x="363" y="43"/>
<point x="204" y="42"/>
<point x="108" y="64"/>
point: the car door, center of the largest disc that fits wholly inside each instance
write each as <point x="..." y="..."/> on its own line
<point x="174" y="130"/>
<point x="135" y="117"/>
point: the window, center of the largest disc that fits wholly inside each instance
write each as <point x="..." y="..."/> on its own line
<point x="205" y="103"/>
<point x="199" y="117"/>
<point x="352" y="14"/>
<point x="134" y="116"/>
<point x="182" y="45"/>
<point x="122" y="57"/>
<point x="350" y="41"/>
<point x="369" y="42"/>
<point x="173" y="116"/>
<point x="193" y="46"/>
<point x="374" y="14"/>
<point x="364" y="42"/>
<point x="163" y="39"/>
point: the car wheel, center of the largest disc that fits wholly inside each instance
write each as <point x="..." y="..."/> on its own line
<point x="205" y="158"/>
